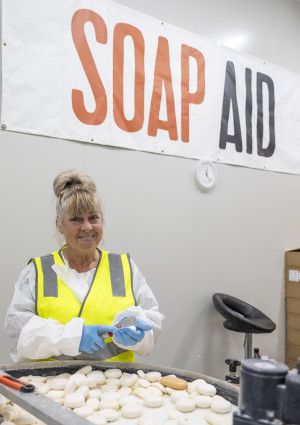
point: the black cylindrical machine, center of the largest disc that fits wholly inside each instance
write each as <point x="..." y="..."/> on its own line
<point x="268" y="394"/>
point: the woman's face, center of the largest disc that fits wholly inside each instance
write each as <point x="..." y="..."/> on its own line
<point x="82" y="232"/>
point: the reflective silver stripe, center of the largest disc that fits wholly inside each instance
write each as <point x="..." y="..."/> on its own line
<point x="50" y="278"/>
<point x="110" y="350"/>
<point x="36" y="287"/>
<point x="131" y="280"/>
<point x="116" y="275"/>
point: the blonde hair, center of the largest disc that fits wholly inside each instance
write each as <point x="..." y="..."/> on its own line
<point x="76" y="194"/>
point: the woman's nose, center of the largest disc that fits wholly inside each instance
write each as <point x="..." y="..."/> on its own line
<point x="86" y="225"/>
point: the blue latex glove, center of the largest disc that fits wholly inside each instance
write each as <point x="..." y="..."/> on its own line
<point x="127" y="336"/>
<point x="91" y="340"/>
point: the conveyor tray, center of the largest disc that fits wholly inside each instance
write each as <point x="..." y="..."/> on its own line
<point x="53" y="413"/>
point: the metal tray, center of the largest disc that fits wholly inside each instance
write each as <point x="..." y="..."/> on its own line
<point x="54" y="414"/>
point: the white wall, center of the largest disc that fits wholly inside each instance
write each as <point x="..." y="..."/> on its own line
<point x="188" y="244"/>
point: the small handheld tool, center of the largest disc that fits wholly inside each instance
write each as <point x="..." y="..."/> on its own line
<point x="16" y="384"/>
<point x="124" y="323"/>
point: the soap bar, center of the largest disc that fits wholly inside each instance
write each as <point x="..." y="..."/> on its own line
<point x="173" y="382"/>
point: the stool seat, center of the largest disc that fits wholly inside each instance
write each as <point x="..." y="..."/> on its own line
<point x="241" y="316"/>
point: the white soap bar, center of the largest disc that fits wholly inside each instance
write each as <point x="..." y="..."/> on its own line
<point x="79" y="379"/>
<point x="108" y="388"/>
<point x="84" y="390"/>
<point x="3" y="401"/>
<point x="129" y="381"/>
<point x="153" y="400"/>
<point x="130" y="399"/>
<point x="64" y="375"/>
<point x="124" y="391"/>
<point x="193" y="386"/>
<point x="83" y="411"/>
<point x="70" y="387"/>
<point x="114" y="382"/>
<point x="154" y="390"/>
<point x="140" y="392"/>
<point x="97" y="419"/>
<point x="153" y="376"/>
<point x="214" y="419"/>
<point x="109" y="403"/>
<point x="175" y="414"/>
<point x="56" y="394"/>
<point x="95" y="393"/>
<point x="25" y="419"/>
<point x="110" y="395"/>
<point x="34" y="378"/>
<point x="141" y="373"/>
<point x="8" y="413"/>
<point x="203" y="401"/>
<point x="177" y="394"/>
<point x="18" y="410"/>
<point x="74" y="400"/>
<point x="98" y="375"/>
<point x="110" y="414"/>
<point x="143" y="383"/>
<point x="92" y="381"/>
<point x="92" y="403"/>
<point x="43" y="388"/>
<point x="185" y="405"/>
<point x="158" y="385"/>
<point x="85" y="370"/>
<point x="113" y="373"/>
<point x="207" y="389"/>
<point x="220" y="405"/>
<point x="131" y="410"/>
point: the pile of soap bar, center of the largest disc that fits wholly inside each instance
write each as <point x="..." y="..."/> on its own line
<point x="109" y="396"/>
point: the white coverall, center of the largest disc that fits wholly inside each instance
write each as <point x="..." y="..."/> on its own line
<point x="30" y="337"/>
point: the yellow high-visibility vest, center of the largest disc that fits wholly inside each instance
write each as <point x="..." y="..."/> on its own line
<point x="110" y="292"/>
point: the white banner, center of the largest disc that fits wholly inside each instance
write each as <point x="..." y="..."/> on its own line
<point x="99" y="72"/>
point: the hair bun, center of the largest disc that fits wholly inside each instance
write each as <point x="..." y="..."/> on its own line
<point x="71" y="183"/>
<point x="71" y="180"/>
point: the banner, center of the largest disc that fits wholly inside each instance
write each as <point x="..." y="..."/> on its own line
<point x="98" y="72"/>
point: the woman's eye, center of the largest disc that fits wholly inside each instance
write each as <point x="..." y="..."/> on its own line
<point x="94" y="218"/>
<point x="75" y="219"/>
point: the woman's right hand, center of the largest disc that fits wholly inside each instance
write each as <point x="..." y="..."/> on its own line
<point x="91" y="340"/>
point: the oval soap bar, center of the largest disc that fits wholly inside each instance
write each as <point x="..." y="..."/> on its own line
<point x="173" y="382"/>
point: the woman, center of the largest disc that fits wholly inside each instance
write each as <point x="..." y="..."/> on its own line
<point x="66" y="303"/>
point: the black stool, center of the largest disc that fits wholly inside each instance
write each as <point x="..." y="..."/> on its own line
<point x="242" y="317"/>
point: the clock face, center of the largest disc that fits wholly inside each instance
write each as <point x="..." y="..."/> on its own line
<point x="206" y="174"/>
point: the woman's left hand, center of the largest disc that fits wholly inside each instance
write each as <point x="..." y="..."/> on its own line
<point x="131" y="335"/>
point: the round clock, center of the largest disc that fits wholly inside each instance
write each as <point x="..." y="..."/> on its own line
<point x="206" y="175"/>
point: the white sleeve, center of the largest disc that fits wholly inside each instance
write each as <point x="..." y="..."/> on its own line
<point x="146" y="308"/>
<point x="29" y="336"/>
